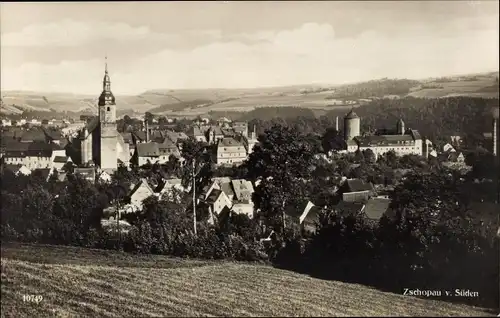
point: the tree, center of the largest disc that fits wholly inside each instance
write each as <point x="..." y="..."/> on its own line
<point x="369" y="156"/>
<point x="332" y="140"/>
<point x="283" y="162"/>
<point x="148" y="117"/>
<point x="281" y="151"/>
<point x="484" y="164"/>
<point x="197" y="164"/>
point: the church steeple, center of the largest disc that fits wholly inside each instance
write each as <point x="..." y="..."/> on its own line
<point x="107" y="97"/>
<point x="106" y="83"/>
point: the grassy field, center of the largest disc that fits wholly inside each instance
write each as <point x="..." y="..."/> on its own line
<point x="86" y="282"/>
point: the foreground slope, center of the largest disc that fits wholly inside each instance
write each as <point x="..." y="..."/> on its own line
<point x="86" y="282"/>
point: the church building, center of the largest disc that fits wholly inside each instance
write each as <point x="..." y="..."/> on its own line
<point x="100" y="144"/>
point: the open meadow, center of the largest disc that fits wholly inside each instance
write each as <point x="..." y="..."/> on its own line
<point x="87" y="282"/>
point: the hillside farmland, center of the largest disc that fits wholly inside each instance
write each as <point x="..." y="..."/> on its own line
<point x="89" y="282"/>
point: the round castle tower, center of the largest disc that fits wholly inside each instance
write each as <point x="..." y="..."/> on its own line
<point x="351" y="126"/>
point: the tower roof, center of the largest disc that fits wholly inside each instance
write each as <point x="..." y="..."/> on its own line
<point x="351" y="115"/>
<point x="107" y="97"/>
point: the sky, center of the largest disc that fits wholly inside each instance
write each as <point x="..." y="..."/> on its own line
<point x="61" y="47"/>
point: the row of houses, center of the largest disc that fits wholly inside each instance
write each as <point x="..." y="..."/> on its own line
<point x="232" y="144"/>
<point x="88" y="173"/>
<point x="35" y="122"/>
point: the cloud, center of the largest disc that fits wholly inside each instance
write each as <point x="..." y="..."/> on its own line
<point x="76" y="33"/>
<point x="307" y="54"/>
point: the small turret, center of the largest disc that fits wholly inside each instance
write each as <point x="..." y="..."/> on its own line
<point x="253" y="135"/>
<point x="400" y="127"/>
<point x="146" y="127"/>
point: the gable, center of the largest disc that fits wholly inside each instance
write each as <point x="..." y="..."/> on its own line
<point x="141" y="192"/>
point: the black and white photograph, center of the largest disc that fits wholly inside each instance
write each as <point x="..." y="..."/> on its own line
<point x="249" y="158"/>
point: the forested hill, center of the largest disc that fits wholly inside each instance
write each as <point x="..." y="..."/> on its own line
<point x="375" y="88"/>
<point x="436" y="119"/>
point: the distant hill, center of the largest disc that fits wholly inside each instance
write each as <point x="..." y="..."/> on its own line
<point x="195" y="102"/>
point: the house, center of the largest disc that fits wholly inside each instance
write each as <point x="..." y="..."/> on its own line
<point x="456" y="157"/>
<point x="198" y="135"/>
<point x="309" y="218"/>
<point x="223" y="121"/>
<point x="52" y="135"/>
<point x="104" y="177"/>
<point x="214" y="204"/>
<point x="62" y="176"/>
<point x="448" y="148"/>
<point x="166" y="149"/>
<point x="243" y="190"/>
<point x="140" y="136"/>
<point x="242" y="198"/>
<point x="6" y="122"/>
<point x="60" y="161"/>
<point x="88" y="173"/>
<point x="304" y="216"/>
<point x="456" y="139"/>
<point x="17" y="169"/>
<point x="34" y="155"/>
<point x="230" y="151"/>
<point x="166" y="186"/>
<point x="176" y="137"/>
<point x="372" y="210"/>
<point x="146" y="152"/>
<point x="33" y="135"/>
<point x="140" y="192"/>
<point x="214" y="134"/>
<point x="43" y="173"/>
<point x="246" y="208"/>
<point x="377" y="207"/>
<point x="356" y="190"/>
<point x="240" y="128"/>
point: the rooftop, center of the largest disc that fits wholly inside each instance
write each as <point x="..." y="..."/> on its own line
<point x="356" y="185"/>
<point x="375" y="208"/>
<point x="149" y="149"/>
<point x="229" y="142"/>
<point x="351" y="115"/>
<point x="387" y="140"/>
<point x="61" y="159"/>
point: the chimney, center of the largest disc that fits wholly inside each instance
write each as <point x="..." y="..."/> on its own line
<point x="337" y="123"/>
<point x="495" y="136"/>
<point x="146" y="124"/>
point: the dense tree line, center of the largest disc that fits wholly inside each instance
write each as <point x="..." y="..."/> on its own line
<point x="375" y="88"/>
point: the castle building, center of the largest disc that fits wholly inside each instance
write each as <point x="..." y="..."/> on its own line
<point x="100" y="142"/>
<point x="402" y="142"/>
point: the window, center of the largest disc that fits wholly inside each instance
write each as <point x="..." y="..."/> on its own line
<point x="108" y="109"/>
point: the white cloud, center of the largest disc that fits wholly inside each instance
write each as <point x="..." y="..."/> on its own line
<point x="310" y="53"/>
<point x="76" y="33"/>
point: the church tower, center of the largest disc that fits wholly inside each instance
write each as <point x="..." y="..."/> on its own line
<point x="108" y="154"/>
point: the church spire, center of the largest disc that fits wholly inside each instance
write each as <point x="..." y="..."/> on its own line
<point x="106" y="83"/>
<point x="106" y="97"/>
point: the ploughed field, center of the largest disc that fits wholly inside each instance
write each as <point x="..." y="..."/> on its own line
<point x="66" y="281"/>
